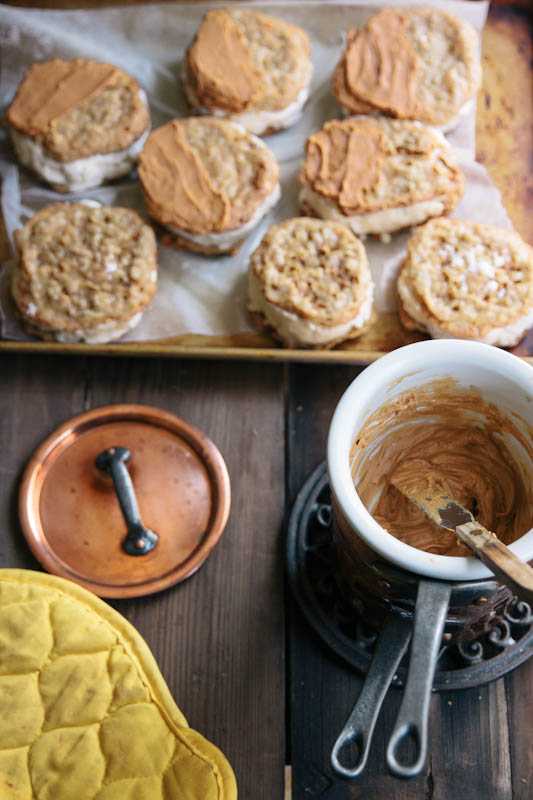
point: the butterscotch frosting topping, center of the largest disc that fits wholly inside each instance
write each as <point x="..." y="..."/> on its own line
<point x="457" y="440"/>
<point x="381" y="66"/>
<point x="78" y="108"/>
<point x="344" y="161"/>
<point x="204" y="175"/>
<point x="365" y="165"/>
<point x="176" y="184"/>
<point x="220" y="61"/>
<point x="241" y="60"/>
<point x="411" y="63"/>
<point x="54" y="88"/>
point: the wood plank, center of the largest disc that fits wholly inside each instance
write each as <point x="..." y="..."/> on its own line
<point x="324" y="688"/>
<point x="519" y="687"/>
<point x="219" y="636"/>
<point x="29" y="411"/>
<point x="469" y="735"/>
<point x="224" y="666"/>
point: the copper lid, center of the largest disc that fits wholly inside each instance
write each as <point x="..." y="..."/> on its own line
<point x="72" y="518"/>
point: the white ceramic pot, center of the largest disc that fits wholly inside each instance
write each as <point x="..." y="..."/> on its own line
<point x="500" y="377"/>
<point x="436" y="590"/>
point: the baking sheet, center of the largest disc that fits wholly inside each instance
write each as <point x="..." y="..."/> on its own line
<point x="201" y="302"/>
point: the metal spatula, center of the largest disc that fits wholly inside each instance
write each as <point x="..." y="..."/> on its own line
<point x="447" y="513"/>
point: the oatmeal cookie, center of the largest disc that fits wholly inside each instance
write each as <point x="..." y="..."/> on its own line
<point x="410" y="63"/>
<point x="309" y="282"/>
<point x="378" y="175"/>
<point x="266" y="73"/>
<point x="208" y="182"/>
<point x="84" y="273"/>
<point x="467" y="281"/>
<point x="77" y="124"/>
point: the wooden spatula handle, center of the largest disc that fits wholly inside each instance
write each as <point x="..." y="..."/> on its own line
<point x="516" y="574"/>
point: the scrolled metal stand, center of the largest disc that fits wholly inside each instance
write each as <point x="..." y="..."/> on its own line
<point x="311" y="565"/>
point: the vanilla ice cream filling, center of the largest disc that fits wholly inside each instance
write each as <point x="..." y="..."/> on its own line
<point x="296" y="330"/>
<point x="387" y="220"/>
<point x="257" y="121"/>
<point x="224" y="240"/>
<point x="83" y="173"/>
<point x="100" y="334"/>
<point x="506" y="336"/>
<point x="456" y="119"/>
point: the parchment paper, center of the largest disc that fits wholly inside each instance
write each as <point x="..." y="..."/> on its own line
<point x="198" y="294"/>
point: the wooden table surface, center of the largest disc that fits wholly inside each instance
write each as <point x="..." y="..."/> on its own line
<point x="246" y="669"/>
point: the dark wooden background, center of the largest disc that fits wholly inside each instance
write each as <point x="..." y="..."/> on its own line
<point x="243" y="665"/>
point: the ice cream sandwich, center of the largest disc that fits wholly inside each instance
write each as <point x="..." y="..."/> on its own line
<point x="77" y="124"/>
<point x="378" y="175"/>
<point x="467" y="281"/>
<point x="309" y="283"/>
<point x="248" y="67"/>
<point x="410" y="63"/>
<point x="85" y="273"/>
<point x="207" y="183"/>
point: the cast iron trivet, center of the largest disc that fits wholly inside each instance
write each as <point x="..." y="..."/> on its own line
<point x="312" y="572"/>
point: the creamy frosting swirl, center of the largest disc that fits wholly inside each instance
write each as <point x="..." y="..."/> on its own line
<point x="457" y="440"/>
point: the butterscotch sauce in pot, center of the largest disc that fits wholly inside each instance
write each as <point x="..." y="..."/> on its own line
<point x="478" y="454"/>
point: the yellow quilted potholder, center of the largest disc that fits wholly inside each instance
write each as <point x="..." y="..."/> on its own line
<point x="84" y="711"/>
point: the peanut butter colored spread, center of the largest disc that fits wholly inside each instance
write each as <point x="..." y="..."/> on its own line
<point x="55" y="88"/>
<point x="362" y="165"/>
<point x="220" y="65"/>
<point x="340" y="87"/>
<point x="437" y="434"/>
<point x="344" y="161"/>
<point x="381" y="66"/>
<point x="177" y="187"/>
